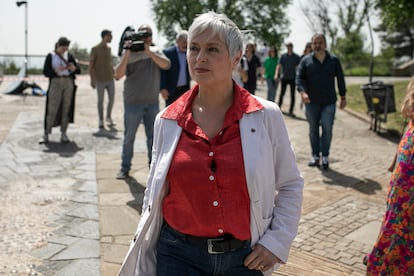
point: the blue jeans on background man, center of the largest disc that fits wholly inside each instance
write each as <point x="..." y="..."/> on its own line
<point x="133" y="115"/>
<point x="271" y="89"/>
<point x="320" y="115"/>
<point x="175" y="257"/>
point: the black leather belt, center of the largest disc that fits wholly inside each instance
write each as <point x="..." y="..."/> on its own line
<point x="217" y="245"/>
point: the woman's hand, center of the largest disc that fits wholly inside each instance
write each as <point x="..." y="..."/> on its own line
<point x="261" y="258"/>
<point x="71" y="67"/>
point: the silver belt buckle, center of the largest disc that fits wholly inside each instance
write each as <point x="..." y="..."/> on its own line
<point x="210" y="246"/>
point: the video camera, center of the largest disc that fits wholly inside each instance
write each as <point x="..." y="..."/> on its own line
<point x="137" y="39"/>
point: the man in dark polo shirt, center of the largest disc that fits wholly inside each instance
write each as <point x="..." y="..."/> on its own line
<point x="286" y="69"/>
<point x="102" y="76"/>
<point x="315" y="80"/>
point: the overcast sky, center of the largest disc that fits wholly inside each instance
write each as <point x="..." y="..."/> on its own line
<point x="82" y="21"/>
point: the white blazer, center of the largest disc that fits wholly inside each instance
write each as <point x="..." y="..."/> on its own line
<point x="274" y="183"/>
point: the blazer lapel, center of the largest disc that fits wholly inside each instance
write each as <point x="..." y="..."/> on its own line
<point x="167" y="143"/>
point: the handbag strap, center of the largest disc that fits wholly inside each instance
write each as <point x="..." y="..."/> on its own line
<point x="64" y="60"/>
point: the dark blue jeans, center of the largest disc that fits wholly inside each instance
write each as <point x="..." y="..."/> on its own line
<point x="133" y="115"/>
<point x="175" y="257"/>
<point x="320" y="115"/>
<point x="292" y="85"/>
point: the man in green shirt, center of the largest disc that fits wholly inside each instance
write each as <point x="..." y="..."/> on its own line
<point x="269" y="68"/>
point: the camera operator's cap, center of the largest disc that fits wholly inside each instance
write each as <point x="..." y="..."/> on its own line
<point x="145" y="28"/>
<point x="63" y="41"/>
<point x="105" y="33"/>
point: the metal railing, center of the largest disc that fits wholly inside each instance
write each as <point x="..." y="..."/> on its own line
<point x="9" y="61"/>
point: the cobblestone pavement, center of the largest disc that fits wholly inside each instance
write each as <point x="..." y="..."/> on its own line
<point x="49" y="200"/>
<point x="49" y="220"/>
<point x="63" y="212"/>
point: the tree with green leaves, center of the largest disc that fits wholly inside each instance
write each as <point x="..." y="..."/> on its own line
<point x="81" y="55"/>
<point x="341" y="21"/>
<point x="318" y="18"/>
<point x="10" y="67"/>
<point x="397" y="27"/>
<point x="336" y="18"/>
<point x="350" y="49"/>
<point x="266" y="19"/>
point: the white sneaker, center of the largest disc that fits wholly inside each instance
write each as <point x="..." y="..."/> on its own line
<point x="110" y="122"/>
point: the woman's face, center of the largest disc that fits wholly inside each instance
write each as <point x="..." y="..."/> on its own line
<point x="249" y="49"/>
<point x="208" y="59"/>
<point x="62" y="49"/>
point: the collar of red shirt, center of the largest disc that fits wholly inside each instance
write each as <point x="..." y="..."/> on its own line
<point x="243" y="102"/>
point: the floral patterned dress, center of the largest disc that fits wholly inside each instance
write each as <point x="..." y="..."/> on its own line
<point x="393" y="252"/>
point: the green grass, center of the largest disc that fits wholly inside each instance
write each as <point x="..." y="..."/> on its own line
<point x="364" y="71"/>
<point x="395" y="122"/>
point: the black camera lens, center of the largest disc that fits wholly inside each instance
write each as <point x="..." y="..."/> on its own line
<point x="144" y="34"/>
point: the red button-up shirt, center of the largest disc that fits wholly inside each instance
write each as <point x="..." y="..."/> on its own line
<point x="208" y="194"/>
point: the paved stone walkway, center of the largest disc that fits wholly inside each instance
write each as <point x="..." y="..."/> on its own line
<point x="64" y="213"/>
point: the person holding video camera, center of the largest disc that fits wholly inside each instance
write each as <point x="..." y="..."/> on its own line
<point x="141" y="63"/>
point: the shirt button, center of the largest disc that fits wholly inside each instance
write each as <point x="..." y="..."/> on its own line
<point x="211" y="177"/>
<point x="221" y="231"/>
<point x="215" y="203"/>
<point x="210" y="153"/>
<point x="221" y="133"/>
